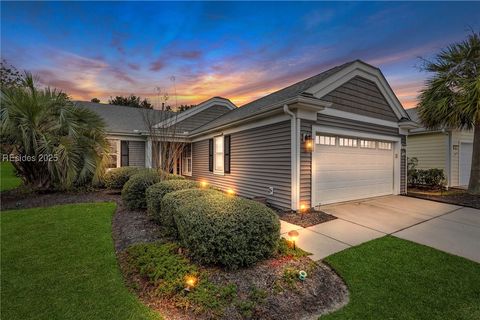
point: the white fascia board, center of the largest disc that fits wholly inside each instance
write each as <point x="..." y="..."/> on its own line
<point x="201" y="107"/>
<point x="368" y="72"/>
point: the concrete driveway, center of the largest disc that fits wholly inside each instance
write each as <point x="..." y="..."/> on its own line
<point x="446" y="227"/>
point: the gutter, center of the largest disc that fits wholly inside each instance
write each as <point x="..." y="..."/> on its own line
<point x="295" y="156"/>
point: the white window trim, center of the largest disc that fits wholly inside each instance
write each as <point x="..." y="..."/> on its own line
<point x="215" y="171"/>
<point x="188" y="173"/>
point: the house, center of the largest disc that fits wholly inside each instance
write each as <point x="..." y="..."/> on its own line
<point x="446" y="149"/>
<point x="337" y="136"/>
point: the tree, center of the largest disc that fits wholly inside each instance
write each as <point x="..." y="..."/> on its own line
<point x="96" y="100"/>
<point x="53" y="143"/>
<point x="451" y="97"/>
<point x="185" y="107"/>
<point x="131" y="101"/>
<point x="9" y="75"/>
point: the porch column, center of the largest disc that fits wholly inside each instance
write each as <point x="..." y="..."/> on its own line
<point x="148" y="153"/>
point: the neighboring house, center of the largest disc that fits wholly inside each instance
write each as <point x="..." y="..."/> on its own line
<point x="337" y="136"/>
<point x="449" y="150"/>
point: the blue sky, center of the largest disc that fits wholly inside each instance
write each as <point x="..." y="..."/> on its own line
<point x="239" y="50"/>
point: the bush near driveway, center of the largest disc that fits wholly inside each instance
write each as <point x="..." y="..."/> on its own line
<point x="133" y="192"/>
<point x="220" y="229"/>
<point x="117" y="177"/>
<point x="154" y="196"/>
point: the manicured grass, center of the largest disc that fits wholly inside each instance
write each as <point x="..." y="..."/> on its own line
<point x="59" y="263"/>
<point x="8" y="180"/>
<point x="390" y="278"/>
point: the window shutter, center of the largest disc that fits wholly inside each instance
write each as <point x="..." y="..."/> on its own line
<point x="226" y="158"/>
<point x="210" y="155"/>
<point x="124" y="160"/>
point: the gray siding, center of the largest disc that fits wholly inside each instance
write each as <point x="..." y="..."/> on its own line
<point x="260" y="158"/>
<point x="403" y="166"/>
<point x="136" y="153"/>
<point x="363" y="97"/>
<point x="201" y="118"/>
<point x="306" y="157"/>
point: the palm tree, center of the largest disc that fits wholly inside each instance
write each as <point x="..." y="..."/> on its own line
<point x="60" y="145"/>
<point x="451" y="98"/>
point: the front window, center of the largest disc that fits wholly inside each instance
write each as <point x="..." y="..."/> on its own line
<point x="218" y="153"/>
<point x="187" y="160"/>
<point x="112" y="154"/>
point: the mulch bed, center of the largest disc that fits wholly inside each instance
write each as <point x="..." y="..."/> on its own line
<point x="306" y="219"/>
<point x="453" y="196"/>
<point x="322" y="292"/>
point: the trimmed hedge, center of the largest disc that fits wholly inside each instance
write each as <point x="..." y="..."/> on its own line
<point x="117" y="177"/>
<point x="221" y="229"/>
<point x="133" y="192"/>
<point x="154" y="196"/>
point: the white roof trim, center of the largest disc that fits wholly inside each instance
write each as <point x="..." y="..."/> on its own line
<point x="363" y="70"/>
<point x="215" y="101"/>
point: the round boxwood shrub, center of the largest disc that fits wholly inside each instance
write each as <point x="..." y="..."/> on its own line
<point x="117" y="177"/>
<point x="154" y="196"/>
<point x="221" y="229"/>
<point x="133" y="192"/>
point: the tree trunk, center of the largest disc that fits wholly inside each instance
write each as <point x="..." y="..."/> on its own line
<point x="474" y="184"/>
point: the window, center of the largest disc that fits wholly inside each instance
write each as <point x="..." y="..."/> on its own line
<point x="347" y="142"/>
<point x="218" y="155"/>
<point x="385" y="145"/>
<point x="187" y="160"/>
<point x="112" y="154"/>
<point x="325" y="140"/>
<point x="370" y="144"/>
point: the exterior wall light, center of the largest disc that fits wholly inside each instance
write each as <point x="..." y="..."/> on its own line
<point x="308" y="142"/>
<point x="293" y="237"/>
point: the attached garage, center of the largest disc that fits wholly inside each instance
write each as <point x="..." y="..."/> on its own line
<point x="351" y="167"/>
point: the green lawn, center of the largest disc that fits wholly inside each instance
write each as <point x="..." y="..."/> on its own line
<point x="390" y="278"/>
<point x="59" y="263"/>
<point x="8" y="180"/>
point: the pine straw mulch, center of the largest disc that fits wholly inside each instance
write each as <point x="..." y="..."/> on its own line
<point x="305" y="219"/>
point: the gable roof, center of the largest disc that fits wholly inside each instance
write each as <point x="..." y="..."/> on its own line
<point x="123" y="119"/>
<point x="262" y="104"/>
<point x="310" y="88"/>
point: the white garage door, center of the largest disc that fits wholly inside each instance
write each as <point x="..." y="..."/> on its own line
<point x="466" y="150"/>
<point x="350" y="168"/>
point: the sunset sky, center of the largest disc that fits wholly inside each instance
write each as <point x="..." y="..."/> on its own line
<point x="238" y="50"/>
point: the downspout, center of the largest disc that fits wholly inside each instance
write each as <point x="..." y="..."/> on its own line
<point x="449" y="159"/>
<point x="294" y="152"/>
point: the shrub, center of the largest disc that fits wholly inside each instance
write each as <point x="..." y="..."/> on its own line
<point x="221" y="229"/>
<point x="154" y="196"/>
<point x="116" y="178"/>
<point x="133" y="192"/>
<point x="428" y="177"/>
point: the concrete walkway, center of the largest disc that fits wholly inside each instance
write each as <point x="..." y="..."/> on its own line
<point x="446" y="227"/>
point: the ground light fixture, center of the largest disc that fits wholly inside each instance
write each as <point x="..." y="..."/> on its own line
<point x="190" y="282"/>
<point x="203" y="184"/>
<point x="230" y="192"/>
<point x="293" y="237"/>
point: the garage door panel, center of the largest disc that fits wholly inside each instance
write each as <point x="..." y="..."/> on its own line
<point x="349" y="173"/>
